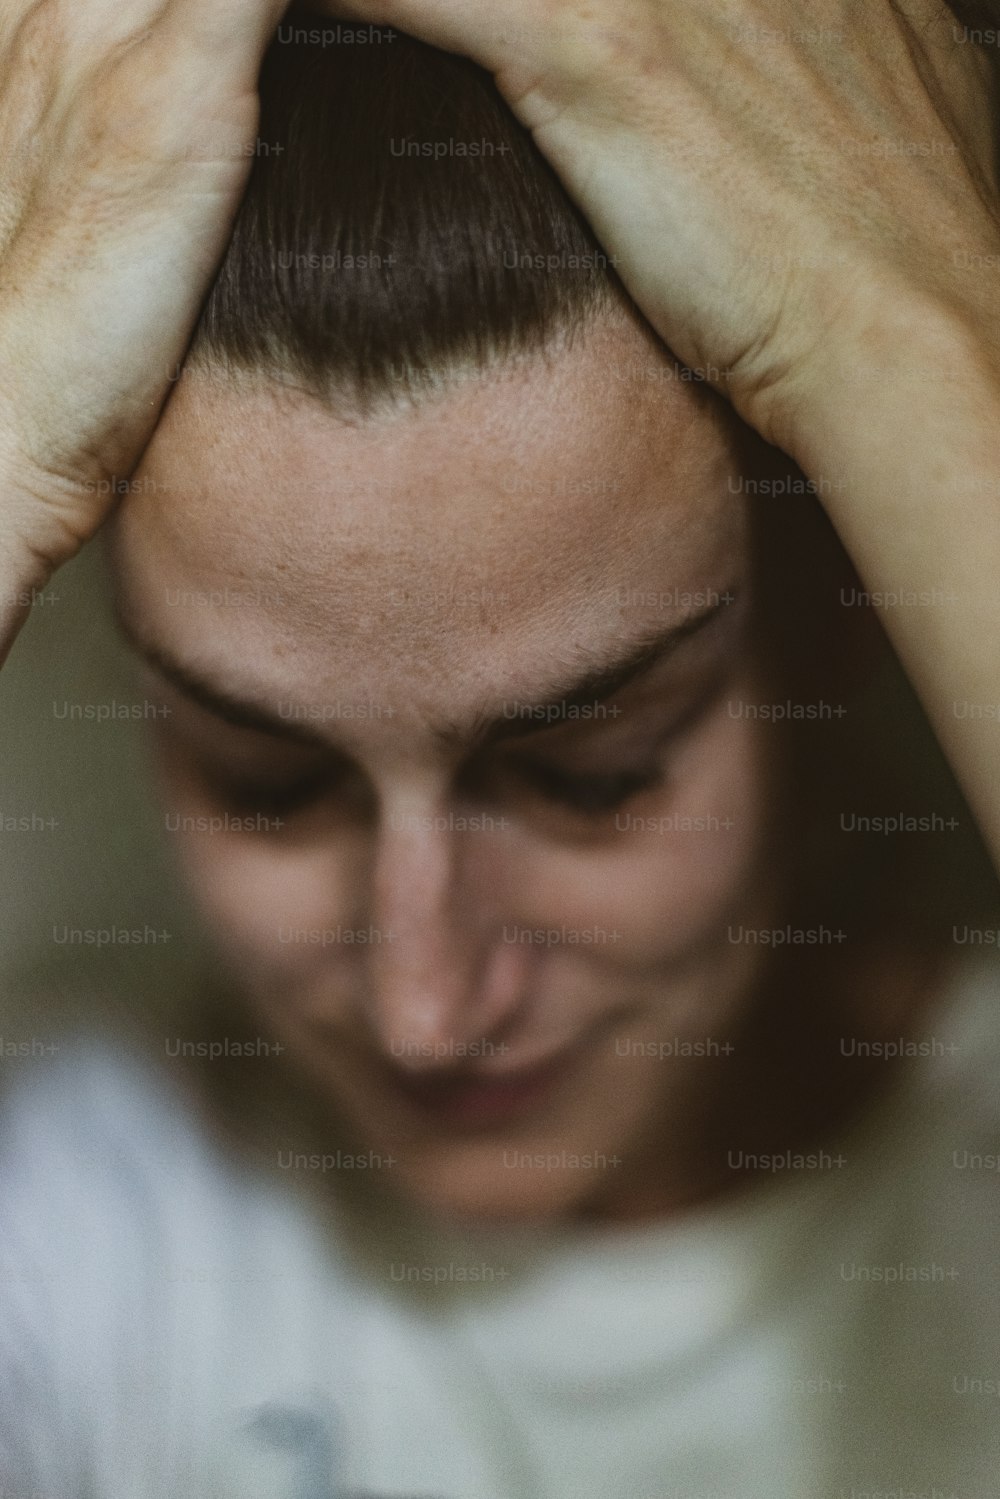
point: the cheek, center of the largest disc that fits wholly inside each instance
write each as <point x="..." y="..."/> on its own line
<point x="255" y="889"/>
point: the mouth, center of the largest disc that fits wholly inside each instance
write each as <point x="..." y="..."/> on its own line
<point x="473" y="1100"/>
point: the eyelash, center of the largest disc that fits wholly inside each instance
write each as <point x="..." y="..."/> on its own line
<point x="273" y="798"/>
<point x="593" y="796"/>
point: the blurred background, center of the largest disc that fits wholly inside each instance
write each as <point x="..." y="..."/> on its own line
<point x="82" y="841"/>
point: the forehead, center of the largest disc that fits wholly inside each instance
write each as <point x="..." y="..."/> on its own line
<point x="555" y="505"/>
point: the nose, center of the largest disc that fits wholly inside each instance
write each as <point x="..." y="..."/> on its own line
<point x="442" y="978"/>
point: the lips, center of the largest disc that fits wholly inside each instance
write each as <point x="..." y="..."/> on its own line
<point x="472" y="1098"/>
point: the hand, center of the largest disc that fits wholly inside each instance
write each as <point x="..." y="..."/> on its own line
<point x="767" y="180"/>
<point x="124" y="136"/>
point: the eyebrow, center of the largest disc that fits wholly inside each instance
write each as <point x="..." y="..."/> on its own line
<point x="532" y="717"/>
<point x="600" y="684"/>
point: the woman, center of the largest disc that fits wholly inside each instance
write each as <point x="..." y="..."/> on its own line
<point x="522" y="789"/>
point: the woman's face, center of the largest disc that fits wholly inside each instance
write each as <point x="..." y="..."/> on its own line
<point x="455" y="758"/>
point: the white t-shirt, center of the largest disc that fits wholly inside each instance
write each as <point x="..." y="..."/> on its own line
<point x="177" y="1323"/>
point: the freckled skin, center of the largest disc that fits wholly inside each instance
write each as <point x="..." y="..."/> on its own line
<point x="436" y="565"/>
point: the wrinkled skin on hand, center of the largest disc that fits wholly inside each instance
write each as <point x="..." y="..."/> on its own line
<point x="123" y="130"/>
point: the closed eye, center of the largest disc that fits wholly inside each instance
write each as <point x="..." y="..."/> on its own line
<point x="589" y="795"/>
<point x="277" y="796"/>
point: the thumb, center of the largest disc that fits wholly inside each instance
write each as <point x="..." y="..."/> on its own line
<point x="492" y="37"/>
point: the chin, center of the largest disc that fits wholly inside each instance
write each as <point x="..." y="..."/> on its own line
<point x="548" y="1165"/>
<point x="479" y="1200"/>
<point x="471" y="1184"/>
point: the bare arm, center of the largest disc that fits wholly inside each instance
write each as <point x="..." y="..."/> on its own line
<point x="914" y="435"/>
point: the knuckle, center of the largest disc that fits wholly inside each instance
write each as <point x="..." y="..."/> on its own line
<point x="50" y="515"/>
<point x="151" y="103"/>
<point x="103" y="85"/>
<point x="29" y="36"/>
<point x="572" y="51"/>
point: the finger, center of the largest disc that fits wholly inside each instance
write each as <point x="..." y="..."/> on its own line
<point x="520" y="41"/>
<point x="231" y="33"/>
<point x="33" y="33"/>
<point x="228" y="37"/>
<point x="469" y="26"/>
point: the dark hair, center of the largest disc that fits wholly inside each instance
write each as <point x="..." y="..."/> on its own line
<point x="976" y="13"/>
<point x="398" y="222"/>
